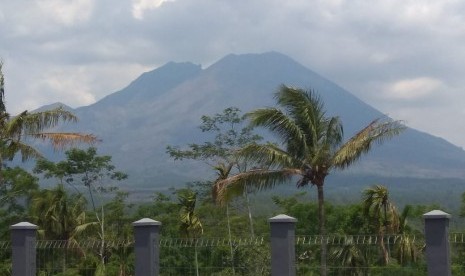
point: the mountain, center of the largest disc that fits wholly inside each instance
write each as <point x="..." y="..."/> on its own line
<point x="163" y="107"/>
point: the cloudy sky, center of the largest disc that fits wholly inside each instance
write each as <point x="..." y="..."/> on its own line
<point x="404" y="57"/>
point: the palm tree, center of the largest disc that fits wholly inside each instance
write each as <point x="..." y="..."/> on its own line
<point x="312" y="146"/>
<point x="382" y="215"/>
<point x="14" y="130"/>
<point x="405" y="248"/>
<point x="60" y="217"/>
<point x="351" y="257"/>
<point x="190" y="227"/>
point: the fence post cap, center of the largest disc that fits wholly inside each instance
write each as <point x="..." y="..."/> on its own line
<point x="282" y="218"/>
<point x="146" y="222"/>
<point x="23" y="225"/>
<point x="436" y="214"/>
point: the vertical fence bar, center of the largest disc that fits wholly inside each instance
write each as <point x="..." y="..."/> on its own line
<point x="282" y="245"/>
<point x="23" y="243"/>
<point x="437" y="243"/>
<point x="146" y="247"/>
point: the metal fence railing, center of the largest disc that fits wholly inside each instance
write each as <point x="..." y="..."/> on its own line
<point x="86" y="258"/>
<point x="215" y="256"/>
<point x="361" y="255"/>
<point x="347" y="255"/>
<point x="281" y="253"/>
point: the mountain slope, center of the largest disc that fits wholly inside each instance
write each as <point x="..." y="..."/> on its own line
<point x="163" y="107"/>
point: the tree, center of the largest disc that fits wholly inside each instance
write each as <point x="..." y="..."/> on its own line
<point x="230" y="134"/>
<point x="351" y="258"/>
<point x="93" y="172"/>
<point x="190" y="226"/>
<point x="312" y="146"/>
<point x="382" y="214"/>
<point x="60" y="216"/>
<point x="405" y="248"/>
<point x="15" y="130"/>
<point x="16" y="194"/>
<point x="119" y="229"/>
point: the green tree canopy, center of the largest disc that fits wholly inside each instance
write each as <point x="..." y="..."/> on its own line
<point x="312" y="144"/>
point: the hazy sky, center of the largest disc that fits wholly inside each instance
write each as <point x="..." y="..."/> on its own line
<point x="404" y="57"/>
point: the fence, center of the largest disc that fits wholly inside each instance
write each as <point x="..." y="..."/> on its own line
<point x="282" y="254"/>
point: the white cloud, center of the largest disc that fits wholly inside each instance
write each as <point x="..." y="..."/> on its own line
<point x="403" y="57"/>
<point x="140" y="6"/>
<point x="413" y="89"/>
<point x="67" y="12"/>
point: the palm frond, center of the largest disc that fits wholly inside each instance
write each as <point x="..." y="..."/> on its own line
<point x="259" y="179"/>
<point x="375" y="132"/>
<point x="83" y="227"/>
<point x="269" y="155"/>
<point x="306" y="109"/>
<point x="27" y="152"/>
<point x="334" y="132"/>
<point x="14" y="127"/>
<point x="280" y="124"/>
<point x="38" y="121"/>
<point x="61" y="139"/>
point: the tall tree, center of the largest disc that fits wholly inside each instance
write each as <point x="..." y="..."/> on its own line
<point x="382" y="214"/>
<point x="60" y="216"/>
<point x="405" y="249"/>
<point x="190" y="226"/>
<point x="312" y="143"/>
<point x="14" y="130"/>
<point x="16" y="194"/>
<point x="230" y="134"/>
<point x="87" y="168"/>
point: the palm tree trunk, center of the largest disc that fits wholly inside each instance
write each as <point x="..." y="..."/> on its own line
<point x="1" y="170"/>
<point x="196" y="258"/>
<point x="230" y="240"/>
<point x="322" y="229"/>
<point x="384" y="250"/>
<point x="252" y="232"/>
<point x="102" y="248"/>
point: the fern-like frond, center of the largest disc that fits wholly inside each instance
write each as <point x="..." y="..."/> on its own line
<point x="269" y="155"/>
<point x="279" y="124"/>
<point x="62" y="139"/>
<point x="305" y="108"/>
<point x="254" y="180"/>
<point x="375" y="132"/>
<point x="27" y="152"/>
<point x="13" y="128"/>
<point x="39" y="121"/>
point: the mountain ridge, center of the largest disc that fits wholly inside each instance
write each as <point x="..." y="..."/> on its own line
<point x="139" y="121"/>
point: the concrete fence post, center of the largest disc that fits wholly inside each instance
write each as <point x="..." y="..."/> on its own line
<point x="437" y="243"/>
<point x="23" y="246"/>
<point x="282" y="245"/>
<point x="146" y="248"/>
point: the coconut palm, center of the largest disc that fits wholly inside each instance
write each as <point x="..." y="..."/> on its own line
<point x="382" y="215"/>
<point x="60" y="216"/>
<point x="14" y="130"/>
<point x="312" y="143"/>
<point x="190" y="227"/>
<point x="405" y="249"/>
<point x="350" y="257"/>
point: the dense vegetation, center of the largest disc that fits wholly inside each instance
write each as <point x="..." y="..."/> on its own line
<point x="65" y="213"/>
